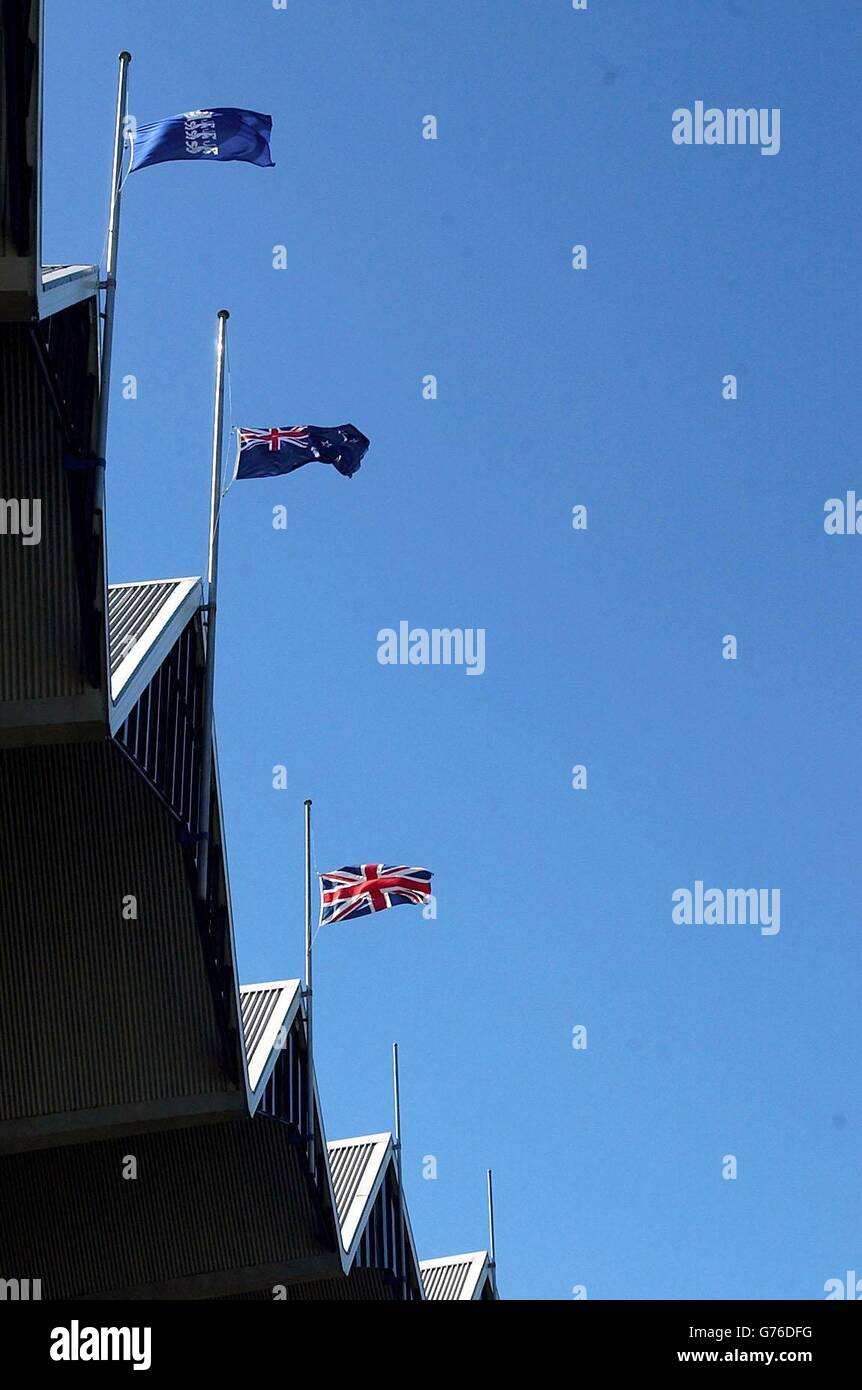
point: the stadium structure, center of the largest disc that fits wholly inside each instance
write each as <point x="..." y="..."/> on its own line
<point x="161" y="1133"/>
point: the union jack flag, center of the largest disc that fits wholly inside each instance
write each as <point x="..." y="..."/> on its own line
<point x="296" y="434"/>
<point x="360" y="889"/>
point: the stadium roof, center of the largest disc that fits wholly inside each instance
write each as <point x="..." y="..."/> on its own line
<point x="135" y="1026"/>
<point x="120" y="1021"/>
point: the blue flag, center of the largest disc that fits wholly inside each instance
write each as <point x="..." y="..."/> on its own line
<point x="220" y="134"/>
<point x="269" y="453"/>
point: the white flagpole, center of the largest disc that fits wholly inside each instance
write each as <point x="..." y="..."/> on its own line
<point x="212" y="593"/>
<point x="396" y="1098"/>
<point x="492" y="1243"/>
<point x="307" y="991"/>
<point x="109" y="284"/>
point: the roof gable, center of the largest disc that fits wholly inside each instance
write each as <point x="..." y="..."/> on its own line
<point x="268" y="1012"/>
<point x="358" y="1167"/>
<point x="144" y="621"/>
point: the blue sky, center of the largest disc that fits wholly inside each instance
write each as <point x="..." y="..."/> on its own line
<point x="556" y="387"/>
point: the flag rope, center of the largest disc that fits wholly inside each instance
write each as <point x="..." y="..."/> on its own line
<point x="129" y="140"/>
<point x="115" y="193"/>
<point x="230" y="424"/>
<point x="315" y="866"/>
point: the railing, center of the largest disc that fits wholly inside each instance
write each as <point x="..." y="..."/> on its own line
<point x="285" y="1096"/>
<point x="384" y="1243"/>
<point x="162" y="732"/>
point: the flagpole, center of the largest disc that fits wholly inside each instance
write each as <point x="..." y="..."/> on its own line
<point x="308" y="998"/>
<point x="396" y="1097"/>
<point x="492" y="1251"/>
<point x="109" y="284"/>
<point x="212" y="592"/>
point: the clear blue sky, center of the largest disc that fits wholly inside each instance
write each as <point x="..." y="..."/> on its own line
<point x="556" y="387"/>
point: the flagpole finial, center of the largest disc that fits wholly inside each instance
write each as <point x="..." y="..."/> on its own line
<point x="125" y="56"/>
<point x="223" y="314"/>
<point x="307" y="801"/>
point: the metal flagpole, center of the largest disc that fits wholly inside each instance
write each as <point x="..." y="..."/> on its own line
<point x="109" y="284"/>
<point x="491" y="1238"/>
<point x="396" y="1096"/>
<point x="308" y="1033"/>
<point x="212" y="592"/>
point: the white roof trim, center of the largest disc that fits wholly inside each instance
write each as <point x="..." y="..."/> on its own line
<point x="139" y="666"/>
<point x="259" y="1066"/>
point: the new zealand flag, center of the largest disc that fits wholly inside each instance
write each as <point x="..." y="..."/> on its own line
<point x="269" y="453"/>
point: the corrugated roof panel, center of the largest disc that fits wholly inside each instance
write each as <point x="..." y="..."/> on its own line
<point x="205" y="1201"/>
<point x="446" y="1281"/>
<point x="41" y="653"/>
<point x="360" y="1285"/>
<point x="96" y="1010"/>
<point x="348" y="1163"/>
<point x="258" y="1003"/>
<point x="131" y="609"/>
<point x="465" y="1277"/>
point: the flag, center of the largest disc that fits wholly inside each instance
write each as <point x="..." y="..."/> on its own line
<point x="269" y="453"/>
<point x="358" y="890"/>
<point x="220" y="134"/>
